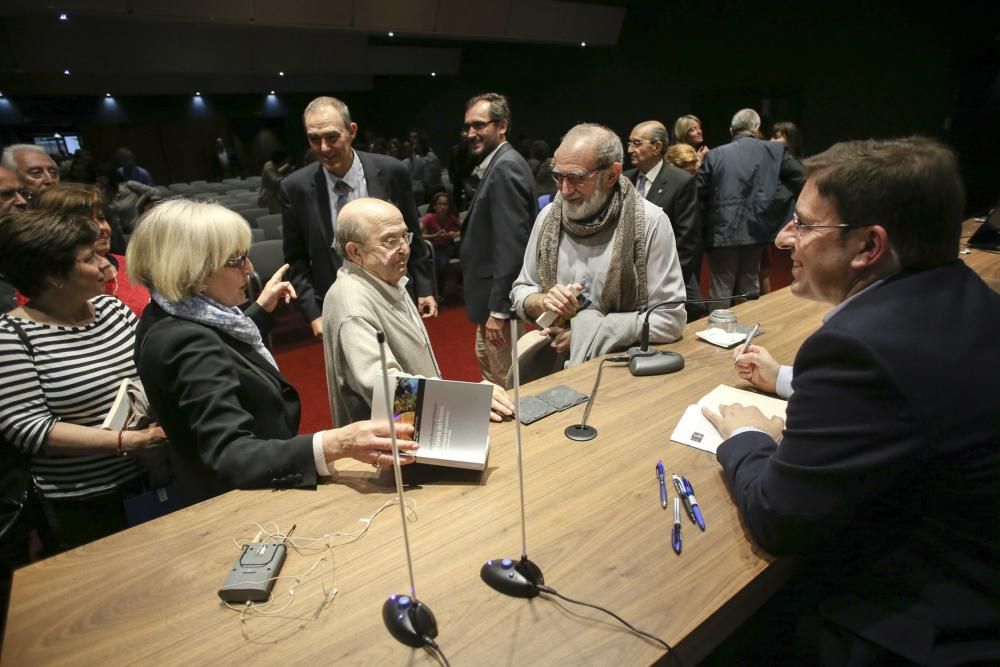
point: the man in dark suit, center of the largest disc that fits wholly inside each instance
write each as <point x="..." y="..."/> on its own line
<point x="496" y="230"/>
<point x="311" y="197"/>
<point x="674" y="191"/>
<point x="887" y="478"/>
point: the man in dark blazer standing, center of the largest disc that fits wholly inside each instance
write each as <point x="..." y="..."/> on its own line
<point x="311" y="197"/>
<point x="674" y="191"/>
<point x="887" y="478"/>
<point x="496" y="230"/>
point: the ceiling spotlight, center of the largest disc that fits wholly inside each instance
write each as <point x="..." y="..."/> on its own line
<point x="272" y="92"/>
<point x="197" y="93"/>
<point x="107" y="94"/>
<point x="434" y="73"/>
<point x="583" y="44"/>
<point x="66" y="72"/>
<point x="281" y="74"/>
<point x="63" y="16"/>
<point x="392" y="34"/>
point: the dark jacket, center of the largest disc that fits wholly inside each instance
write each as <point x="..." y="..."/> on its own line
<point x="231" y="417"/>
<point x="747" y="189"/>
<point x="307" y="235"/>
<point x="674" y="191"/>
<point x="495" y="234"/>
<point x="887" y="480"/>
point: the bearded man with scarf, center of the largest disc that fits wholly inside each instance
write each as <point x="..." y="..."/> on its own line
<point x="600" y="238"/>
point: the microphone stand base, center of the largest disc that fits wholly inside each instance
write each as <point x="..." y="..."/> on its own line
<point x="580" y="432"/>
<point x="519" y="580"/>
<point x="409" y="620"/>
<point x="654" y="362"/>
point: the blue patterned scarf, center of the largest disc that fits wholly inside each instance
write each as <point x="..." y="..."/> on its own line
<point x="230" y="321"/>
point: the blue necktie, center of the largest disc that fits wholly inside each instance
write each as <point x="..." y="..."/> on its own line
<point x="642" y="184"/>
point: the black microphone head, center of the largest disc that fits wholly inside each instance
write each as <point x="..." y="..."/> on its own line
<point x="380" y="336"/>
<point x="751" y="296"/>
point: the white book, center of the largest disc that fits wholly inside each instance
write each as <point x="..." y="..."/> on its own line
<point x="120" y="410"/>
<point x="696" y="431"/>
<point x="451" y="419"/>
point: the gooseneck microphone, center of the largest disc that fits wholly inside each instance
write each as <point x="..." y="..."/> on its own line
<point x="519" y="579"/>
<point x="407" y="619"/>
<point x="583" y="431"/>
<point x="643" y="361"/>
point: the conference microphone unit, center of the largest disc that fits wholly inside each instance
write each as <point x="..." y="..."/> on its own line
<point x="644" y="361"/>
<point x="505" y="575"/>
<point x="410" y="621"/>
<point x="583" y="431"/>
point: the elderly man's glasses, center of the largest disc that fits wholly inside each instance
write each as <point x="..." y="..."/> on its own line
<point x="640" y="142"/>
<point x="7" y="195"/>
<point x="238" y="262"/>
<point x="574" y="180"/>
<point x="478" y="125"/>
<point x="395" y="242"/>
<point x="799" y="226"/>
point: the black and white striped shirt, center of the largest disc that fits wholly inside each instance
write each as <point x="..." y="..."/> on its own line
<point x="73" y="377"/>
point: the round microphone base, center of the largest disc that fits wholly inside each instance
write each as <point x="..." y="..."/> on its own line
<point x="580" y="432"/>
<point x="409" y="620"/>
<point x="519" y="579"/>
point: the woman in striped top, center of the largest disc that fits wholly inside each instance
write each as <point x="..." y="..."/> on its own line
<point x="63" y="355"/>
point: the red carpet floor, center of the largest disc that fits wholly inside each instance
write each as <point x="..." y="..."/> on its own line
<point x="452" y="336"/>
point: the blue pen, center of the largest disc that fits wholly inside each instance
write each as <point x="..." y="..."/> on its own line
<point x="675" y="538"/>
<point x="682" y="493"/>
<point x="663" y="484"/>
<point x="699" y="519"/>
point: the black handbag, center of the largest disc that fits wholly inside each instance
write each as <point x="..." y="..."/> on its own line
<point x="17" y="489"/>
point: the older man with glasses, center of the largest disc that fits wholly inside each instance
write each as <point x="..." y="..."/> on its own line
<point x="369" y="296"/>
<point x="601" y="239"/>
<point x="34" y="168"/>
<point x="11" y="197"/>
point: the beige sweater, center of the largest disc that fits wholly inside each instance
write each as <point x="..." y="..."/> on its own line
<point x="356" y="307"/>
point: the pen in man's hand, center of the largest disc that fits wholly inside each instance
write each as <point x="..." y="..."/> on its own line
<point x="746" y="343"/>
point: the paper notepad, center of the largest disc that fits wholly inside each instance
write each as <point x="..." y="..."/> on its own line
<point x="696" y="431"/>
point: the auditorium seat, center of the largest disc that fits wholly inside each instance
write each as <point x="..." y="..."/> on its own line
<point x="271" y="225"/>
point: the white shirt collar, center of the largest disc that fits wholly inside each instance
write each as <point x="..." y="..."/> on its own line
<point x="485" y="164"/>
<point x="354" y="176"/>
<point x="651" y="174"/>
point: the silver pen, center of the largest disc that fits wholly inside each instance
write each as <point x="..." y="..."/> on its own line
<point x="746" y="343"/>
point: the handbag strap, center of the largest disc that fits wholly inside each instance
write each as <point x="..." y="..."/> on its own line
<point x="19" y="330"/>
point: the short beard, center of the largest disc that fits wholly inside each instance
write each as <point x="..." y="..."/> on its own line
<point x="588" y="208"/>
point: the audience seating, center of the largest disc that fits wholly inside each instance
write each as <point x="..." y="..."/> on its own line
<point x="257" y="235"/>
<point x="252" y="214"/>
<point x="422" y="210"/>
<point x="270" y="225"/>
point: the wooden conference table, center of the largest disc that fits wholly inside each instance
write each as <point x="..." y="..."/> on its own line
<point x="595" y="527"/>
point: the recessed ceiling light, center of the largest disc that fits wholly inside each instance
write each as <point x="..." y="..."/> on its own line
<point x="392" y="34"/>
<point x="272" y="92"/>
<point x="197" y="93"/>
<point x="107" y="94"/>
<point x="281" y="74"/>
<point x="583" y="44"/>
<point x="434" y="73"/>
<point x="66" y="72"/>
<point x="63" y="16"/>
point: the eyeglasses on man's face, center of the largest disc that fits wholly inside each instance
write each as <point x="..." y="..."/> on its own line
<point x="238" y="262"/>
<point x="478" y="125"/>
<point x="394" y="243"/>
<point x="799" y="226"/>
<point x="574" y="180"/>
<point x="7" y="195"/>
<point x="639" y="142"/>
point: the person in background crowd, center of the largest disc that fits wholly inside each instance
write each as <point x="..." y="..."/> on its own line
<point x="685" y="157"/>
<point x="63" y="355"/>
<point x="11" y="198"/>
<point x="34" y="168"/>
<point x="442" y="228"/>
<point x="129" y="170"/>
<point x="541" y="166"/>
<point x="86" y="200"/>
<point x="748" y="189"/>
<point x="231" y="416"/>
<point x="274" y="171"/>
<point x="687" y="130"/>
<point x="227" y="162"/>
<point x="788" y="133"/>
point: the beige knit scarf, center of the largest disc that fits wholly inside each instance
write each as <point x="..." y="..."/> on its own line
<point x="625" y="284"/>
